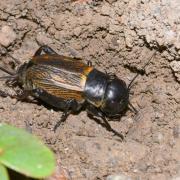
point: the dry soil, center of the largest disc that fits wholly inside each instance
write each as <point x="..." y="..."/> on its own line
<point x="117" y="37"/>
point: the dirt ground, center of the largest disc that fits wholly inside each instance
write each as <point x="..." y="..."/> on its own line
<point x="118" y="37"/>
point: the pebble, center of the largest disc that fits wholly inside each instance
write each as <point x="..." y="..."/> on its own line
<point x="176" y="131"/>
<point x="176" y="178"/>
<point x="77" y="31"/>
<point x="7" y="36"/>
<point x="118" y="177"/>
<point x="106" y="10"/>
<point x="175" y="65"/>
<point x="158" y="137"/>
<point x="42" y="39"/>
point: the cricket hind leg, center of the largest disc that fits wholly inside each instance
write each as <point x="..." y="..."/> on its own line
<point x="12" y="82"/>
<point x="71" y="106"/>
<point x="19" y="95"/>
<point x="94" y="113"/>
<point x="46" y="49"/>
<point x="5" y="94"/>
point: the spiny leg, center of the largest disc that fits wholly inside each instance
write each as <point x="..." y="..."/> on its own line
<point x="71" y="106"/>
<point x="46" y="49"/>
<point x="95" y="112"/>
<point x="7" y="71"/>
<point x="19" y="95"/>
<point x="5" y="94"/>
<point x="111" y="129"/>
<point x="64" y="116"/>
<point x="22" y="95"/>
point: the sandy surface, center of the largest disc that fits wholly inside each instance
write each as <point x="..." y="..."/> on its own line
<point x="117" y="36"/>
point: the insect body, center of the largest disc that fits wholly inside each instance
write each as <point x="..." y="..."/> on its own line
<point x="69" y="84"/>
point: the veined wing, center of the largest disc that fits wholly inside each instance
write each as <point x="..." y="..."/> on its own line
<point x="62" y="62"/>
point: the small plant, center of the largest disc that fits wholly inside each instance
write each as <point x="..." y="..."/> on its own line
<point x="24" y="153"/>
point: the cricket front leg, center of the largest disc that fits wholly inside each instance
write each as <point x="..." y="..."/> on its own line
<point x="95" y="112"/>
<point x="71" y="106"/>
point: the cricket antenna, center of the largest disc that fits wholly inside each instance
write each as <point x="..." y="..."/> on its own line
<point x="147" y="63"/>
<point x="6" y="78"/>
<point x="15" y="59"/>
<point x="11" y="75"/>
<point x="7" y="71"/>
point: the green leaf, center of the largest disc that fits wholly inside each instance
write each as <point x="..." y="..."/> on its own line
<point x="3" y="173"/>
<point x="25" y="153"/>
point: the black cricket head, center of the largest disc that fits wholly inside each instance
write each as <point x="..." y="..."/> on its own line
<point x="116" y="98"/>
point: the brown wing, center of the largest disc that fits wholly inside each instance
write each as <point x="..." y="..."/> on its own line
<point x="58" y="81"/>
<point x="61" y="92"/>
<point x="62" y="62"/>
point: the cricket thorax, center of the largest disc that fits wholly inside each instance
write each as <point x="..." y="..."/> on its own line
<point x="95" y="87"/>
